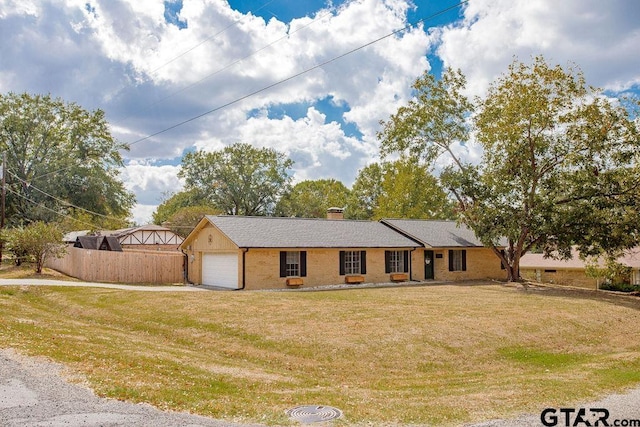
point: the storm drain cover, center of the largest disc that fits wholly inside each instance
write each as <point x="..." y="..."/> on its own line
<point x="313" y="413"/>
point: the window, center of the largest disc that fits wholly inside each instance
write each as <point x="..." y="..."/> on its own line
<point x="293" y="264"/>
<point x="396" y="261"/>
<point x="458" y="260"/>
<point x="353" y="262"/>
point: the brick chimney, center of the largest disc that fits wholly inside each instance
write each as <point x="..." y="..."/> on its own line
<point x="335" y="213"/>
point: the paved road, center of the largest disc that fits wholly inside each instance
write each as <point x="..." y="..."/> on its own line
<point x="34" y="394"/>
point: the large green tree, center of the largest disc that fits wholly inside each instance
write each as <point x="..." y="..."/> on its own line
<point x="239" y="179"/>
<point x="184" y="220"/>
<point x="61" y="159"/>
<point x="559" y="165"/>
<point x="175" y="202"/>
<point x="312" y="198"/>
<point x="409" y="190"/>
<point x="365" y="193"/>
<point x="402" y="188"/>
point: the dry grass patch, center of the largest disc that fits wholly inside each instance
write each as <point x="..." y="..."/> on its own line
<point x="8" y="270"/>
<point x="439" y="355"/>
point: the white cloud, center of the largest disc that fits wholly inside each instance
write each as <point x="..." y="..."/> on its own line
<point x="602" y="38"/>
<point x="151" y="184"/>
<point x="148" y="75"/>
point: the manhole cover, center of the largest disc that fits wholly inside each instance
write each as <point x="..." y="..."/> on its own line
<point x="313" y="413"/>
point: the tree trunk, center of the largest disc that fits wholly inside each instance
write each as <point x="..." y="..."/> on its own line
<point x="513" y="273"/>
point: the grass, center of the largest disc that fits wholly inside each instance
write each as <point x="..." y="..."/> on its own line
<point x="437" y="355"/>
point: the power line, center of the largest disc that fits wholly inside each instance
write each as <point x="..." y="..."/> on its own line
<point x="315" y="67"/>
<point x="237" y="61"/>
<point x="233" y="24"/>
<point x="49" y="209"/>
<point x="64" y="202"/>
<point x="242" y="98"/>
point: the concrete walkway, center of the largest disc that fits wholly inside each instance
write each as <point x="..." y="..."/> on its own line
<point x="51" y="282"/>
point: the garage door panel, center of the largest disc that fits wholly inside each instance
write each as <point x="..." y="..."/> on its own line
<point x="220" y="269"/>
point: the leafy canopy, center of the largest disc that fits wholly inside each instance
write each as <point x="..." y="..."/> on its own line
<point x="312" y="198"/>
<point x="60" y="158"/>
<point x="403" y="188"/>
<point x="239" y="179"/>
<point x="559" y="164"/>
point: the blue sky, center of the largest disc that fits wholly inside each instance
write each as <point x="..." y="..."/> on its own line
<point x="152" y="64"/>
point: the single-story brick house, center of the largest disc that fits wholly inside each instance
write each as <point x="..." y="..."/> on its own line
<point x="572" y="272"/>
<point x="448" y="251"/>
<point x="271" y="252"/>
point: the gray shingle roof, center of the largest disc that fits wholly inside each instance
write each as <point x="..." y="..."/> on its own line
<point x="437" y="234"/>
<point x="276" y="232"/>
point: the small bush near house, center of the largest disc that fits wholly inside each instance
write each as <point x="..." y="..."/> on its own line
<point x="620" y="287"/>
<point x="34" y="243"/>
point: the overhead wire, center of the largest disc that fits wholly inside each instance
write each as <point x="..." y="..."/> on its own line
<point x="39" y="204"/>
<point x="64" y="202"/>
<point x="233" y="24"/>
<point x="282" y="81"/>
<point x="237" y="61"/>
<point x="296" y="75"/>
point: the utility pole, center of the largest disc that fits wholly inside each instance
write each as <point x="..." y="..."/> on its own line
<point x="4" y="196"/>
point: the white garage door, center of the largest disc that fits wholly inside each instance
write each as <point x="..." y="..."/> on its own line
<point x="220" y="270"/>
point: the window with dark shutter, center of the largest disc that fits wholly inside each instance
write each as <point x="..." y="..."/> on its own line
<point x="396" y="261"/>
<point x="293" y="263"/>
<point x="457" y="260"/>
<point x="303" y="263"/>
<point x="283" y="264"/>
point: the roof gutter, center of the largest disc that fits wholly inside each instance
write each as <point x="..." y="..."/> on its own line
<point x="185" y="270"/>
<point x="244" y="269"/>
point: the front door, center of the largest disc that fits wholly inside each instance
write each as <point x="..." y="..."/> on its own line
<point x="428" y="265"/>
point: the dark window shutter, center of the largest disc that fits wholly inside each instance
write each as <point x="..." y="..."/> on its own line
<point x="342" y="263"/>
<point x="464" y="260"/>
<point x="283" y="264"/>
<point x="363" y="262"/>
<point x="406" y="261"/>
<point x="303" y="263"/>
<point x="450" y="260"/>
<point x="387" y="261"/>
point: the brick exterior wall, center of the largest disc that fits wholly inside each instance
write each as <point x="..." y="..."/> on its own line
<point x="576" y="278"/>
<point x="482" y="263"/>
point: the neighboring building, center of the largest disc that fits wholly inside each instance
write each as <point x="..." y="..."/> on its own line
<point x="572" y="272"/>
<point x="147" y="237"/>
<point x="448" y="251"/>
<point x="100" y="243"/>
<point x="268" y="252"/>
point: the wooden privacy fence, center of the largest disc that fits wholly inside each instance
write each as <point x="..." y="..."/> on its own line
<point x="120" y="267"/>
